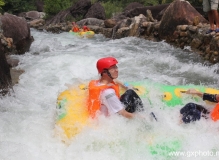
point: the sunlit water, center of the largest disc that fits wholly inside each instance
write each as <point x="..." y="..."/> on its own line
<point x="56" y="61"/>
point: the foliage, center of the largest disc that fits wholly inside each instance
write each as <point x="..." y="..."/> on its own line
<point x="111" y="8"/>
<point x="2" y="3"/>
<point x="52" y="7"/>
<point x="192" y="2"/>
<point x="18" y="6"/>
<point x="195" y="2"/>
<point x="152" y="2"/>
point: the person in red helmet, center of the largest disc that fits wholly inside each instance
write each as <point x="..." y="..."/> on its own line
<point x="104" y="94"/>
<point x="75" y="27"/>
<point x="85" y="29"/>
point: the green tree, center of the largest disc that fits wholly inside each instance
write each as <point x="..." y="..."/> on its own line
<point x="112" y="8"/>
<point x="52" y="7"/>
<point x="18" y="6"/>
<point x="2" y="3"/>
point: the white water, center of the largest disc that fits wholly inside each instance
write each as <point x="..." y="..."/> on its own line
<point x="27" y="117"/>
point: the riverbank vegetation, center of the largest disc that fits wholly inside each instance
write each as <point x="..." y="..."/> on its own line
<point x="52" y="7"/>
<point x="2" y="3"/>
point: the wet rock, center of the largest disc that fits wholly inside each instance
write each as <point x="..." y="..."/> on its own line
<point x="37" y="23"/>
<point x="195" y="43"/>
<point x="60" y="17"/>
<point x="22" y="14"/>
<point x="121" y="32"/>
<point x="132" y="5"/>
<point x="183" y="27"/>
<point x="136" y="25"/>
<point x="183" y="34"/>
<point x="15" y="74"/>
<point x="80" y="8"/>
<point x="91" y="21"/>
<point x="77" y="11"/>
<point x="107" y="32"/>
<point x="155" y="10"/>
<point x="124" y="23"/>
<point x="96" y="11"/>
<point x="149" y="16"/>
<point x="216" y="53"/>
<point x="5" y="77"/>
<point x="192" y="29"/>
<point x="178" y="13"/>
<point x="39" y="5"/>
<point x="31" y="15"/>
<point x="110" y="23"/>
<point x="12" y="62"/>
<point x="17" y="29"/>
<point x="196" y="21"/>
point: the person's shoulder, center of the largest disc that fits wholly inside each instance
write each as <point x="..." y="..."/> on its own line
<point x="108" y="91"/>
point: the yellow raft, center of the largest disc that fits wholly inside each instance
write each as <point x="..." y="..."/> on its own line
<point x="72" y="113"/>
<point x="87" y="34"/>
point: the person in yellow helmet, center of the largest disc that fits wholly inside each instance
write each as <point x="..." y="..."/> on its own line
<point x="104" y="94"/>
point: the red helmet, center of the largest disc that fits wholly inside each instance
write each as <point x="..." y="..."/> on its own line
<point x="105" y="63"/>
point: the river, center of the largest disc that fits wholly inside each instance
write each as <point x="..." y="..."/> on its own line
<point x="56" y="61"/>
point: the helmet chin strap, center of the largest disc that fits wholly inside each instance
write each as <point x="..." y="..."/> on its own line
<point x="108" y="73"/>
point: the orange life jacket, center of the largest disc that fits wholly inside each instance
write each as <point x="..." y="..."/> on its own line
<point x="76" y="29"/>
<point x="94" y="102"/>
<point x="215" y="113"/>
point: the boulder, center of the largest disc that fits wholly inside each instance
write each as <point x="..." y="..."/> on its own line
<point x="31" y="15"/>
<point x="36" y="23"/>
<point x="110" y="23"/>
<point x="39" y="5"/>
<point x="200" y="10"/>
<point x="5" y="77"/>
<point x="132" y="6"/>
<point x="122" y="28"/>
<point x="119" y="17"/>
<point x="22" y="14"/>
<point x="17" y="29"/>
<point x="91" y="21"/>
<point x="60" y="17"/>
<point x="136" y="25"/>
<point x="155" y="10"/>
<point x="96" y="11"/>
<point x="80" y="8"/>
<point x="77" y="11"/>
<point x="178" y="13"/>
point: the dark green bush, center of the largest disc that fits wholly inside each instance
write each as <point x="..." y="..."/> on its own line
<point x="112" y="8"/>
<point x="2" y="3"/>
<point x="18" y="6"/>
<point x="52" y="7"/>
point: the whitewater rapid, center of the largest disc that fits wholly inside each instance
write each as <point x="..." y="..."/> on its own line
<point x="57" y="61"/>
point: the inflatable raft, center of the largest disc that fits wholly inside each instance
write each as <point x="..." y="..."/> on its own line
<point x="72" y="112"/>
<point x="88" y="34"/>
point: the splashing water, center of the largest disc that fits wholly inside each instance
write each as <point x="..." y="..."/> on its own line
<point x="58" y="60"/>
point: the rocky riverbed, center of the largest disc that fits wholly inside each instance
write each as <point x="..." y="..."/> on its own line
<point x="178" y="23"/>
